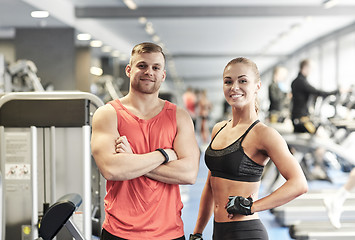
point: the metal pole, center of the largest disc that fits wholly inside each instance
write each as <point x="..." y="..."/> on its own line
<point x="72" y="228"/>
<point x="34" y="171"/>
<point x="53" y="165"/>
<point x="87" y="181"/>
<point x="2" y="200"/>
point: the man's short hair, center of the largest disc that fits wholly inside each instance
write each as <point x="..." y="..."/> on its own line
<point x="146" y="47"/>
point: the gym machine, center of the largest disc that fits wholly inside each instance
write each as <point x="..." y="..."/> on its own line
<point x="58" y="216"/>
<point x="45" y="152"/>
<point x="322" y="231"/>
<point x="107" y="88"/>
<point x="310" y="208"/>
<point x="20" y="76"/>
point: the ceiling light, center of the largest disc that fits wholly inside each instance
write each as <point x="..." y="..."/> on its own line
<point x="156" y="38"/>
<point x="130" y="4"/>
<point x="106" y="49"/>
<point x="96" y="71"/>
<point x="309" y="19"/>
<point x="39" y="14"/>
<point x="330" y="3"/>
<point x="149" y="28"/>
<point x="142" y="20"/>
<point x="96" y="43"/>
<point x="83" y="37"/>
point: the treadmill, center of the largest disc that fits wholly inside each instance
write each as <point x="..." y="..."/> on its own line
<point x="310" y="208"/>
<point x="323" y="231"/>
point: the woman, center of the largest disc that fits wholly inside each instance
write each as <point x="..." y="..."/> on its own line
<point x="236" y="156"/>
<point x="204" y="106"/>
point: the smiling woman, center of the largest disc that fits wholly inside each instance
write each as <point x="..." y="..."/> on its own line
<point x="236" y="82"/>
<point x="236" y="156"/>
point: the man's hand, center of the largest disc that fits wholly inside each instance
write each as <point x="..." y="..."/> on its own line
<point x="122" y="145"/>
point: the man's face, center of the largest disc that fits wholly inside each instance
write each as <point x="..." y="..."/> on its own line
<point x="306" y="70"/>
<point x="146" y="72"/>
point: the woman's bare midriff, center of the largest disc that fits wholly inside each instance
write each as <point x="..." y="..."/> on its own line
<point x="223" y="188"/>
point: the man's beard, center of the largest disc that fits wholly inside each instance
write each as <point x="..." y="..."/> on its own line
<point x="139" y="86"/>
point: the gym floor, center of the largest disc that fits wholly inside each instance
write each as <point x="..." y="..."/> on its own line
<point x="191" y="198"/>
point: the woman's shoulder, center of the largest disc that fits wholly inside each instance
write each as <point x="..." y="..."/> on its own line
<point x="266" y="133"/>
<point x="220" y="124"/>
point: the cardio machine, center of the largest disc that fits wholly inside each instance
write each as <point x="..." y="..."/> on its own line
<point x="306" y="216"/>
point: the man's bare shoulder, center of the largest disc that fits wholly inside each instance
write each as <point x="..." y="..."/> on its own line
<point x="104" y="112"/>
<point x="181" y="112"/>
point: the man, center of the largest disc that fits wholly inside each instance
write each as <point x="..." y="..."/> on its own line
<point x="301" y="93"/>
<point x="157" y="150"/>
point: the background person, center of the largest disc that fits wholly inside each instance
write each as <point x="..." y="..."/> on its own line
<point x="277" y="95"/>
<point x="301" y="93"/>
<point x="157" y="151"/>
<point x="204" y="107"/>
<point x="236" y="156"/>
<point x="302" y="121"/>
<point x="190" y="101"/>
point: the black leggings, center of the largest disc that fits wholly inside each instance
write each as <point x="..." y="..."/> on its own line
<point x="105" y="235"/>
<point x="239" y="230"/>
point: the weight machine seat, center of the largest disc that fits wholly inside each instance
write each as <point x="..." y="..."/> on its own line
<point x="57" y="215"/>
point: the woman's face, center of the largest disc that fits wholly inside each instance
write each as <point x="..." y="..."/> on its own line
<point x="240" y="85"/>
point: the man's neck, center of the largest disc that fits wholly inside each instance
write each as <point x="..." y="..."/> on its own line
<point x="144" y="106"/>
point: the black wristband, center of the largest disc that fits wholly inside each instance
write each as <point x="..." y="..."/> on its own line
<point x="164" y="154"/>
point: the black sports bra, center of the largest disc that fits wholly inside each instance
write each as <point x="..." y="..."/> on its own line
<point x="231" y="162"/>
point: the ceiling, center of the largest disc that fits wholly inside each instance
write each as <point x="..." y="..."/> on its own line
<point x="200" y="36"/>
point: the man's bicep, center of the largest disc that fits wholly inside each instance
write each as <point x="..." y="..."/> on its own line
<point x="104" y="132"/>
<point x="185" y="143"/>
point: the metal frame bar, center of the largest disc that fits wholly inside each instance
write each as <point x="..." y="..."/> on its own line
<point x="72" y="228"/>
<point x="86" y="131"/>
<point x="34" y="180"/>
<point x="2" y="182"/>
<point x="96" y="101"/>
<point x="234" y="11"/>
<point x="52" y="164"/>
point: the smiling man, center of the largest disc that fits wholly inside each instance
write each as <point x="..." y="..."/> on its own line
<point x="144" y="147"/>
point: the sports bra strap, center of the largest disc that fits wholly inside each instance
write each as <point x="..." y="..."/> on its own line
<point x="219" y="131"/>
<point x="248" y="130"/>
